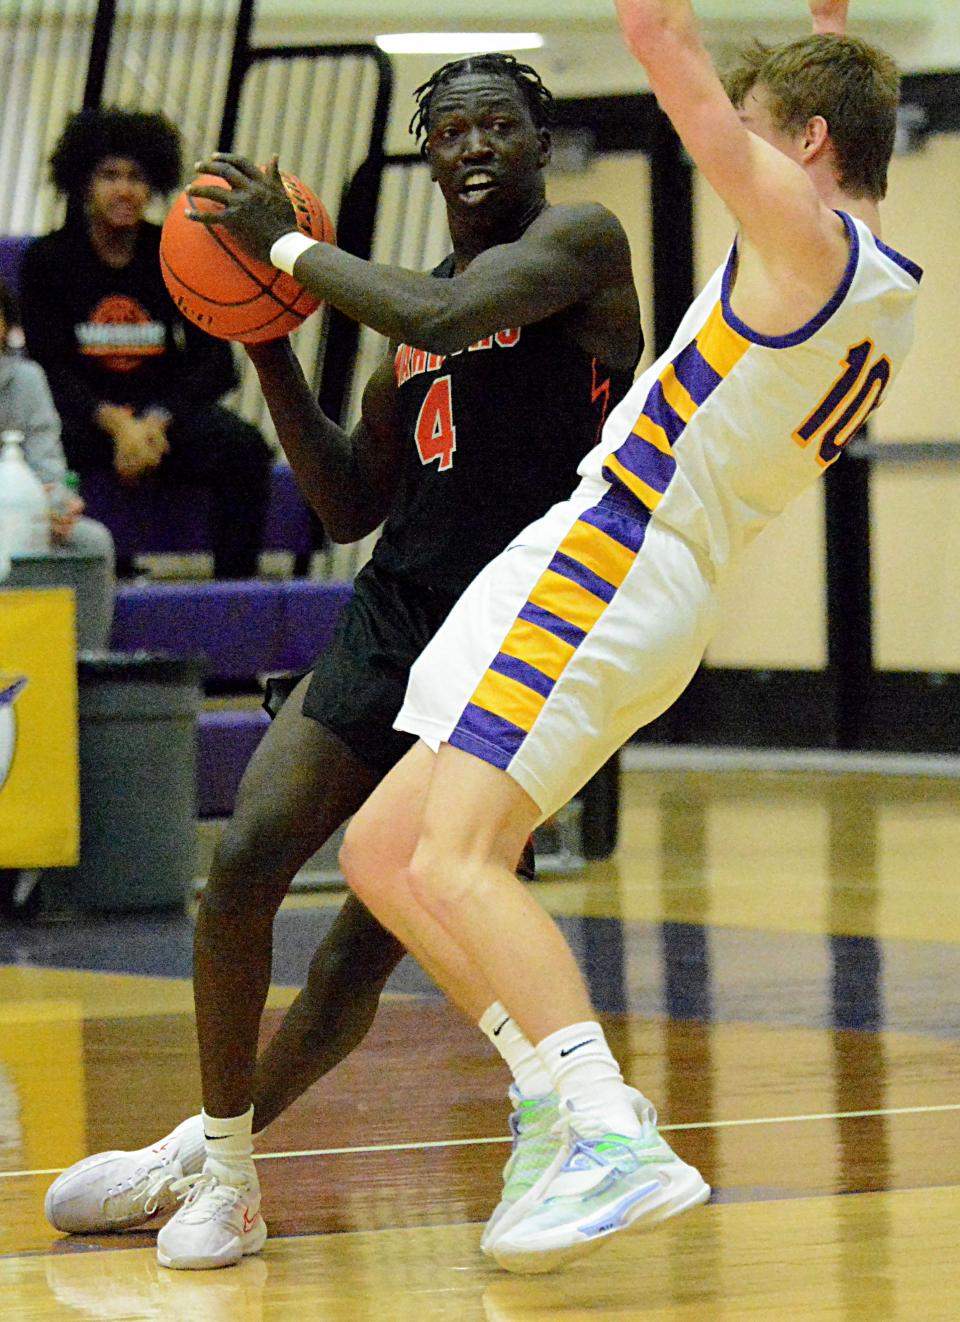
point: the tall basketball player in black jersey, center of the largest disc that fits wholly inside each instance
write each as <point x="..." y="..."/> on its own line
<point x="503" y="365"/>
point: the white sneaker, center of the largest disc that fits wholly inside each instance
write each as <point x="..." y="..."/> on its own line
<point x="216" y="1226"/>
<point x="603" y="1183"/>
<point x="536" y="1142"/>
<point x="118" y="1190"/>
<point x="539" y="1150"/>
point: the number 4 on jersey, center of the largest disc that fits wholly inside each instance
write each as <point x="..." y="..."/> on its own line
<point x="435" y="434"/>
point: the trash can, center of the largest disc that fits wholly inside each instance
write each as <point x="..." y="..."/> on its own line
<point x="63" y="568"/>
<point x="138" y="793"/>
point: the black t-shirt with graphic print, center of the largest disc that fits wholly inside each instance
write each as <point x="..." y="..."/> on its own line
<point x="104" y="335"/>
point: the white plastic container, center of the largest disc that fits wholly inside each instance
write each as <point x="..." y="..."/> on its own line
<point x="24" y="509"/>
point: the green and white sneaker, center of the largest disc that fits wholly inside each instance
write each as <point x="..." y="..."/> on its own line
<point x="602" y="1183"/>
<point x="536" y="1144"/>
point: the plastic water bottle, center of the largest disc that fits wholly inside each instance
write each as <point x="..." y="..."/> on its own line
<point x="24" y="512"/>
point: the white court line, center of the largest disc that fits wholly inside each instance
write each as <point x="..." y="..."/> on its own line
<point x="483" y="1142"/>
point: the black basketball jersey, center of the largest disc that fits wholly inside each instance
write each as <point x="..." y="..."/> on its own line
<point x="496" y="432"/>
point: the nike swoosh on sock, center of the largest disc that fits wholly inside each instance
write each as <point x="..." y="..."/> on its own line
<point x="568" y="1051"/>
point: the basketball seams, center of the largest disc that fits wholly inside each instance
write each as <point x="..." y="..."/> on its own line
<point x="249" y="332"/>
<point x="312" y="215"/>
<point x="279" y="312"/>
<point x="199" y="294"/>
<point x="239" y="260"/>
<point x="236" y="258"/>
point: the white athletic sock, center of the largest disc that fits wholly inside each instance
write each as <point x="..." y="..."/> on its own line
<point x="518" y="1052"/>
<point x="584" y="1073"/>
<point x="229" y="1147"/>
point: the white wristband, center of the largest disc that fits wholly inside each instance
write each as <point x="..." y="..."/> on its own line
<point x="288" y="248"/>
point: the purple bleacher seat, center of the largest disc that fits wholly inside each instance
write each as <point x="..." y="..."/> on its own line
<point x="155" y="517"/>
<point x="12" y="249"/>
<point x="243" y="629"/>
<point x="226" y="741"/>
<point x="236" y="627"/>
<point x="290" y="525"/>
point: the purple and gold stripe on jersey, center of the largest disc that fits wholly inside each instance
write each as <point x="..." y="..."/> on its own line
<point x="569" y="597"/>
<point x="644" y="463"/>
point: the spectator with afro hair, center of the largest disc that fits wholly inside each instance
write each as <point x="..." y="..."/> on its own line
<point x="92" y="135"/>
<point x="137" y="386"/>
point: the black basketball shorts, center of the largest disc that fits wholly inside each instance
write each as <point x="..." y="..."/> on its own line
<point x="357" y="685"/>
<point x="358" y="682"/>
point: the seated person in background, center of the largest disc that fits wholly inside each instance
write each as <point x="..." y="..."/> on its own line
<point x="26" y="405"/>
<point x="135" y="384"/>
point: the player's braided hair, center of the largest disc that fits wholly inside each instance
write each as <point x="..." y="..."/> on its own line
<point x="538" y="98"/>
<point x="91" y="135"/>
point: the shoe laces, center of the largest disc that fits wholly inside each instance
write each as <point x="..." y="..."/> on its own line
<point x="534" y="1118"/>
<point x="533" y="1127"/>
<point x="164" y="1179"/>
<point x="159" y="1175"/>
<point x="190" y="1189"/>
<point x="571" y="1124"/>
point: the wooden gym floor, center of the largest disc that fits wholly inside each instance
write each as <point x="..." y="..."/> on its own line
<point x="776" y="955"/>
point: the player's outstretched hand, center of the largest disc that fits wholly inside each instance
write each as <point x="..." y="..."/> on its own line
<point x="255" y="207"/>
<point x="829" y="16"/>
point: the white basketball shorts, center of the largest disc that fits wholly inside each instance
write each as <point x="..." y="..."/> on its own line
<point x="587" y="627"/>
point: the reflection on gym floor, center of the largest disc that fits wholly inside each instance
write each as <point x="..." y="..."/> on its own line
<point x="775" y="956"/>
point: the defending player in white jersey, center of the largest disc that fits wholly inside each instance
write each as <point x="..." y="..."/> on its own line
<point x="596" y="617"/>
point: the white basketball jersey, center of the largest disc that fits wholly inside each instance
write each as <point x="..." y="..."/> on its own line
<point x="729" y="426"/>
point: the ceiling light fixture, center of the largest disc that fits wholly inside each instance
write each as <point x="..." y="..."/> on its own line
<point x="456" y="43"/>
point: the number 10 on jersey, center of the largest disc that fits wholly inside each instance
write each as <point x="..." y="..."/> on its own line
<point x="435" y="433"/>
<point x="846" y="405"/>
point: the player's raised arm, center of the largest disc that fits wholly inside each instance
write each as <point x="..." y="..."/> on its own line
<point x="774" y="202"/>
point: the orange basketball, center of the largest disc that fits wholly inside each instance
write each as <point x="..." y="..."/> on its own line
<point x="223" y="291"/>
